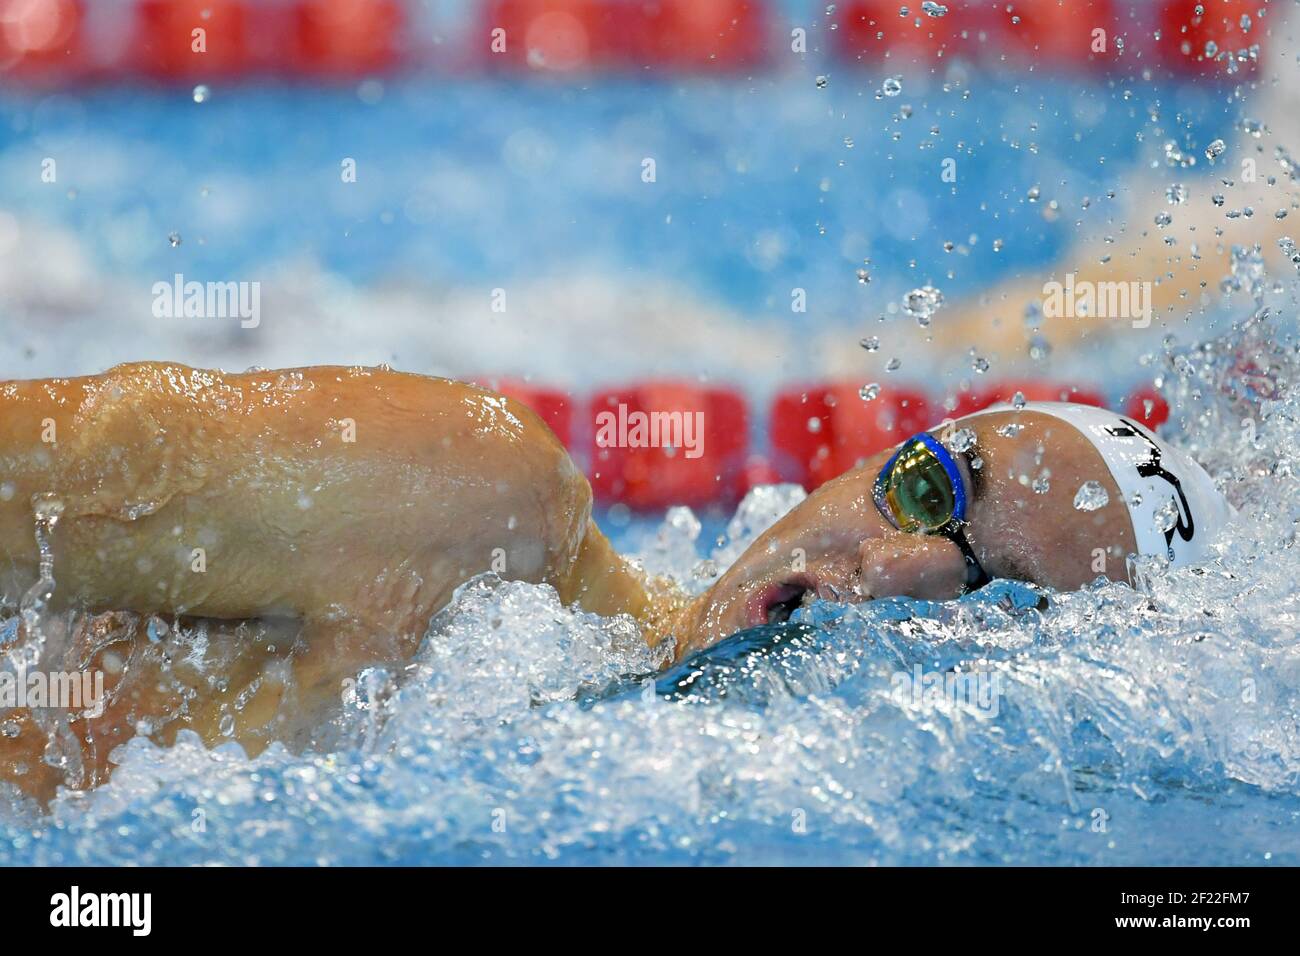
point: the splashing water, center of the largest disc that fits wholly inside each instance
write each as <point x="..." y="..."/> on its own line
<point x="1091" y="496"/>
<point x="1017" y="725"/>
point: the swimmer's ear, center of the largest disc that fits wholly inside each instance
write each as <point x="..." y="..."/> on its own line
<point x="915" y="566"/>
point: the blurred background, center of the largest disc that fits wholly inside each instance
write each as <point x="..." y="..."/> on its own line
<point x="718" y="204"/>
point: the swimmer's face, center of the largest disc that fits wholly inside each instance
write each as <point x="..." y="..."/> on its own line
<point x="837" y="544"/>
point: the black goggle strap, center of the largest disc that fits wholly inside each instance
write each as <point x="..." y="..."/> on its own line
<point x="976" y="576"/>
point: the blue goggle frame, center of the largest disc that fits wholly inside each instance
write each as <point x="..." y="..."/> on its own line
<point x="945" y="459"/>
<point x="953" y="528"/>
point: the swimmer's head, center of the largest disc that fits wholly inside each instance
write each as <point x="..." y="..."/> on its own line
<point x="1053" y="493"/>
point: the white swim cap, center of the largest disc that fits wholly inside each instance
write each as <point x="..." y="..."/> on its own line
<point x="1150" y="474"/>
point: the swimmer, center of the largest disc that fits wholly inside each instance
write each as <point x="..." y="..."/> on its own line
<point x="230" y="550"/>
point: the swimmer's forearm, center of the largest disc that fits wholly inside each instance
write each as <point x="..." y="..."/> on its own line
<point x="604" y="582"/>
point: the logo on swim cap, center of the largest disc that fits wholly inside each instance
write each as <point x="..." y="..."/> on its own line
<point x="1185" y="525"/>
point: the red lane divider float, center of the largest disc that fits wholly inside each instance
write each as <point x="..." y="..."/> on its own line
<point x="821" y="431"/>
<point x="345" y="38"/>
<point x="1194" y="42"/>
<point x="40" y="39"/>
<point x="194" y="40"/>
<point x="191" y="39"/>
<point x="562" y="36"/>
<point x="659" y="443"/>
<point x="1148" y="407"/>
<point x="1049" y="34"/>
<point x="706" y="34"/>
<point x="553" y="35"/>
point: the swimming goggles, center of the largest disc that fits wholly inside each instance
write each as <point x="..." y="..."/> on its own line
<point x="921" y="491"/>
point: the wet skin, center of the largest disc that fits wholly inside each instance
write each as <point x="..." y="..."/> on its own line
<point x="836" y="544"/>
<point x="336" y="509"/>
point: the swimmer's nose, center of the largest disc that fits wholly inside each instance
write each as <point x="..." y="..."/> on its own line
<point x="910" y="565"/>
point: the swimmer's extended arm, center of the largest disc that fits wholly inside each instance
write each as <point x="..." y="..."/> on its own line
<point x="321" y="494"/>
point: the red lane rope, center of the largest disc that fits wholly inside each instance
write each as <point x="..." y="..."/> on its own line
<point x="68" y="41"/>
<point x="652" y="444"/>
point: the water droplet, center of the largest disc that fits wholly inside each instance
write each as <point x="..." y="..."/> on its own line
<point x="202" y="93"/>
<point x="871" y="343"/>
<point x="1041" y="485"/>
<point x="1166" y="516"/>
<point x="822" y="81"/>
<point x="1163" y="219"/>
<point x="869" y="392"/>
<point x="174" y="238"/>
<point x="1018" y="400"/>
<point x="1215" y="150"/>
<point x="923" y="303"/>
<point x="962" y="440"/>
<point x="892" y="86"/>
<point x="863" y="276"/>
<point x="156" y="630"/>
<point x="1174" y="156"/>
<point x="1176" y="194"/>
<point x="1010" y="429"/>
<point x="1091" y="496"/>
<point x="934" y="9"/>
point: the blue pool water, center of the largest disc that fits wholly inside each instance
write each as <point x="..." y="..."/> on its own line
<point x="762" y="186"/>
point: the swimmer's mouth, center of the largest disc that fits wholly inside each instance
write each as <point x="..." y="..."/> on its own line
<point x="776" y="602"/>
